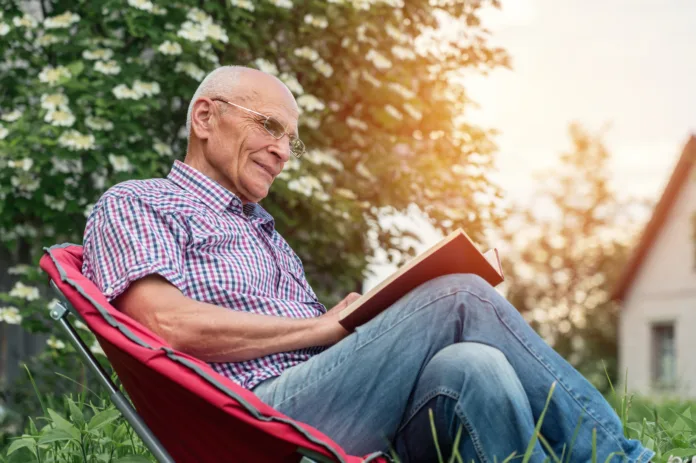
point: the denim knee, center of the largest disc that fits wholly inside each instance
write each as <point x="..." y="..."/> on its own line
<point x="457" y="281"/>
<point x="475" y="370"/>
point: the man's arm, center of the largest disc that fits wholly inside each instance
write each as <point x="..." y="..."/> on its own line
<point x="218" y="334"/>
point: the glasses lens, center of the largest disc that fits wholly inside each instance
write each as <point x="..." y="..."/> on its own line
<point x="274" y="127"/>
<point x="297" y="147"/>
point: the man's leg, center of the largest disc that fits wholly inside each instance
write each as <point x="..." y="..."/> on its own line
<point x="485" y="400"/>
<point x="358" y="391"/>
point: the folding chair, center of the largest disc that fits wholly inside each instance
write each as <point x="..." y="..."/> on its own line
<point x="186" y="412"/>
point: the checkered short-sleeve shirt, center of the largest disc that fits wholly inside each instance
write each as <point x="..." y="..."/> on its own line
<point x="193" y="232"/>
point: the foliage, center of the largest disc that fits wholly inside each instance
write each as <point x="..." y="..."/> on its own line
<point x="567" y="251"/>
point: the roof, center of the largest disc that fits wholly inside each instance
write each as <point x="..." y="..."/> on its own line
<point x="659" y="216"/>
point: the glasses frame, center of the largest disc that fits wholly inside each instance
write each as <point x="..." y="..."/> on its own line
<point x="293" y="139"/>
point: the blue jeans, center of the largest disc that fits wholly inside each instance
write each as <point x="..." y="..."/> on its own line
<point x="455" y="346"/>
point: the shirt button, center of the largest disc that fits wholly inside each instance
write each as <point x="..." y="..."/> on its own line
<point x="109" y="291"/>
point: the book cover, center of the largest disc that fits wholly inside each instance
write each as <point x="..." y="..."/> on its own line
<point x="454" y="254"/>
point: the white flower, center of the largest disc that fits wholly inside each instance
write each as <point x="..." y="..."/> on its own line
<point x="53" y="101"/>
<point x="20" y="290"/>
<point x="199" y="16"/>
<point x="305" y="185"/>
<point x="182" y="133"/>
<point x="66" y="166"/>
<point x="216" y="32"/>
<point x="395" y="33"/>
<point x="190" y="69"/>
<point x="60" y="117"/>
<point x="24" y="164"/>
<point x="310" y="103"/>
<point x="10" y="315"/>
<point x="371" y="79"/>
<point x="162" y="148"/>
<point x="355" y="123"/>
<point x="122" y="92"/>
<point x="4" y="29"/>
<point x="21" y="269"/>
<point x="107" y="67"/>
<point x="88" y="210"/>
<point x="54" y="203"/>
<point x="281" y="3"/>
<point x="51" y="75"/>
<point x="98" y="54"/>
<point x="12" y="115"/>
<point x="98" y="123"/>
<point x="48" y="39"/>
<point x="64" y="20"/>
<point x="318" y="21"/>
<point x="401" y="90"/>
<point x="75" y="141"/>
<point x="311" y="122"/>
<point x="292" y="83"/>
<point x="345" y="193"/>
<point x="245" y="4"/>
<point x="323" y="67"/>
<point x="25" y="21"/>
<point x="54" y="343"/>
<point x="98" y="180"/>
<point x="144" y="5"/>
<point x="158" y="10"/>
<point x="192" y="31"/>
<point x="413" y="112"/>
<point x="3" y="132"/>
<point x="307" y="53"/>
<point x="362" y="170"/>
<point x="266" y="66"/>
<point x="403" y="52"/>
<point x="319" y="157"/>
<point x="25" y="183"/>
<point x="393" y="112"/>
<point x="96" y="349"/>
<point x="120" y="163"/>
<point x="169" y="48"/>
<point x="379" y="60"/>
<point x="146" y="88"/>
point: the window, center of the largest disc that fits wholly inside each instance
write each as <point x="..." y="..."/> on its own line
<point x="664" y="358"/>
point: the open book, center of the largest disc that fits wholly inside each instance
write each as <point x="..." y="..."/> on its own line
<point x="454" y="254"/>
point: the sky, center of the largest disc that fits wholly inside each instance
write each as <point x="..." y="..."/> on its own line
<point x="628" y="65"/>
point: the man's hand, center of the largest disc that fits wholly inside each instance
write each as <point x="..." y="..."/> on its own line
<point x="329" y="321"/>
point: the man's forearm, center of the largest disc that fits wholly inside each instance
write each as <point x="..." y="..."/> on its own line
<point x="218" y="334"/>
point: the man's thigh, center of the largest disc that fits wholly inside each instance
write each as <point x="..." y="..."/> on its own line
<point x="356" y="391"/>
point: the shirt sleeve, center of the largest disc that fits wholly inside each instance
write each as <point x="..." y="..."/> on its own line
<point x="127" y="239"/>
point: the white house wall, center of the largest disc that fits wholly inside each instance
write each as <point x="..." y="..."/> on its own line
<point x="664" y="290"/>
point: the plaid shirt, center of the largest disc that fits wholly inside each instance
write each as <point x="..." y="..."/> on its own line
<point x="193" y="232"/>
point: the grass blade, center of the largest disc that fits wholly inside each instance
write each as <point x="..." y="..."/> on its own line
<point x="537" y="428"/>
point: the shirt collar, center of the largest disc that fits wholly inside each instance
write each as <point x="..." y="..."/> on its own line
<point x="207" y="190"/>
<point x="214" y="195"/>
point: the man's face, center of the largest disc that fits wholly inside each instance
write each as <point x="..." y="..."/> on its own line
<point x="245" y="156"/>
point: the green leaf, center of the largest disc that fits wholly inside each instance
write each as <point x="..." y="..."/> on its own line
<point x="76" y="67"/>
<point x="55" y="435"/>
<point x="76" y="414"/>
<point x="61" y="423"/>
<point x="24" y="442"/>
<point x="132" y="459"/>
<point x="681" y="452"/>
<point x="103" y="418"/>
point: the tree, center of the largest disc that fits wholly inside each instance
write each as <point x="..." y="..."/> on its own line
<point x="94" y="93"/>
<point x="568" y="249"/>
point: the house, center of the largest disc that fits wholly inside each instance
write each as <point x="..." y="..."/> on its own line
<point x="657" y="293"/>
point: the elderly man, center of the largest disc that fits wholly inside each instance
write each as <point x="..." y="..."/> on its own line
<point x="197" y="260"/>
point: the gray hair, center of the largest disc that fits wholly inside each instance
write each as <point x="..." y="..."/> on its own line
<point x="218" y="82"/>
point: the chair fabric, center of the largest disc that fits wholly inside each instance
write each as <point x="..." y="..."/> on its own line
<point x="197" y="414"/>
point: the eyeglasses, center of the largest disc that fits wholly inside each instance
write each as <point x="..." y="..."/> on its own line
<point x="275" y="128"/>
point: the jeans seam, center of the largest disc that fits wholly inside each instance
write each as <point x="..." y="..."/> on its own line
<point x="548" y="367"/>
<point x="444" y="391"/>
<point x="472" y="433"/>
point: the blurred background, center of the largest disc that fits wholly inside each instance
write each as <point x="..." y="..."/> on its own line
<point x="560" y="132"/>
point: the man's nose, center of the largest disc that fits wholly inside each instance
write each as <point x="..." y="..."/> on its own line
<point x="281" y="148"/>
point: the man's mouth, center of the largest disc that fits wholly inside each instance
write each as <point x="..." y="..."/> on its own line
<point x="267" y="169"/>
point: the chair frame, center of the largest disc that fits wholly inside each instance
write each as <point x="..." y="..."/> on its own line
<point x="59" y="312"/>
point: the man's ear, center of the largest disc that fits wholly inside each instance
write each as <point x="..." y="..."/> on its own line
<point x="203" y="118"/>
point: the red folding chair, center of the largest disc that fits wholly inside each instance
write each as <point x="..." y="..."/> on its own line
<point x="186" y="412"/>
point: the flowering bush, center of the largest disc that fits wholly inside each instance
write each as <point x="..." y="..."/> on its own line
<point x="94" y="93"/>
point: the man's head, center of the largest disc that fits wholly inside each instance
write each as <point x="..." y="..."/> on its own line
<point x="229" y="142"/>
